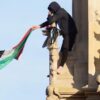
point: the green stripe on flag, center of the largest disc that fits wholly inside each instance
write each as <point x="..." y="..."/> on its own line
<point x="14" y="54"/>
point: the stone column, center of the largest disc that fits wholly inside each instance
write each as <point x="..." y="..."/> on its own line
<point x="52" y="92"/>
<point x="94" y="42"/>
<point x="54" y="56"/>
<point x="80" y="15"/>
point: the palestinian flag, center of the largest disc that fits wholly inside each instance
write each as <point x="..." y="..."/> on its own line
<point x="7" y="56"/>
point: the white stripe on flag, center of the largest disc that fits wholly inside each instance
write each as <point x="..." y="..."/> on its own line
<point x="7" y="53"/>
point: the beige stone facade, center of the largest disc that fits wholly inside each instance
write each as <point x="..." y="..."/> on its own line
<point x="80" y="79"/>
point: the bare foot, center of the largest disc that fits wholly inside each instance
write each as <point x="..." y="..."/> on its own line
<point x="59" y="70"/>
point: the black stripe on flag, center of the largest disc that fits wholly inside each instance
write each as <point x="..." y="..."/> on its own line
<point x="1" y="52"/>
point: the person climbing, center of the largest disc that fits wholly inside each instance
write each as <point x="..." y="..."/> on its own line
<point x="67" y="27"/>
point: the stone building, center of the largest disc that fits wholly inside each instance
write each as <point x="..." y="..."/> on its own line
<point x="80" y="79"/>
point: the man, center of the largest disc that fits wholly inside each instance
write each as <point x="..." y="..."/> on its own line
<point x="67" y="26"/>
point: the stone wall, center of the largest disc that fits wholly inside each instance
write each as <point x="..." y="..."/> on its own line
<point x="80" y="79"/>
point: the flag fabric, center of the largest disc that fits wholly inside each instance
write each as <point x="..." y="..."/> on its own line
<point x="7" y="56"/>
<point x="1" y="53"/>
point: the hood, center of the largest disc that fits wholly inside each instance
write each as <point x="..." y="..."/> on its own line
<point x="54" y="7"/>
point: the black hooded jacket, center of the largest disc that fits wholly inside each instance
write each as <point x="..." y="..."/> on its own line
<point x="63" y="19"/>
<point x="67" y="26"/>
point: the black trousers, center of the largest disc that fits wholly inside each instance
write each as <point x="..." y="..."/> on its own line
<point x="64" y="50"/>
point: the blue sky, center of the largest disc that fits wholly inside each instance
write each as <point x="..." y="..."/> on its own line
<point x="25" y="79"/>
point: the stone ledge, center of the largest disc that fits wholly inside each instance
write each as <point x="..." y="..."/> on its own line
<point x="76" y="93"/>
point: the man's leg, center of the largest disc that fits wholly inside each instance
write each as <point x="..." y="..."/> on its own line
<point x="64" y="54"/>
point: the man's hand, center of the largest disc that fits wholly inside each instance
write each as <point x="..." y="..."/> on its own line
<point x="35" y="27"/>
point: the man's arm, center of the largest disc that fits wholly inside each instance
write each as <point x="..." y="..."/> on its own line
<point x="44" y="24"/>
<point x="40" y="26"/>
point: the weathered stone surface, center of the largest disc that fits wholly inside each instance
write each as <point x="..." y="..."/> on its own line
<point x="80" y="77"/>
